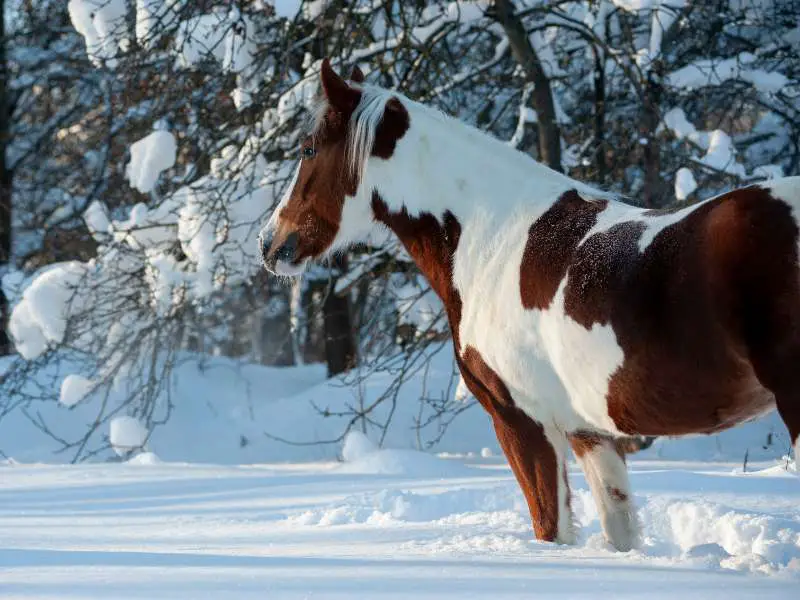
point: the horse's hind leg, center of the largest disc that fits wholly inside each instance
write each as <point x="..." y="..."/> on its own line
<point x="780" y="374"/>
<point x="603" y="462"/>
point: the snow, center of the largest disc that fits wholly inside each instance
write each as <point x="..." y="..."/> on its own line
<point x="685" y="183"/>
<point x="127" y="433"/>
<point x="199" y="38"/>
<point x="312" y="530"/>
<point x="675" y="119"/>
<point x="96" y="218"/>
<point x="634" y="5"/>
<point x="150" y="156"/>
<point x="74" y="389"/>
<point x="216" y="506"/>
<point x="40" y="318"/>
<point x="102" y="24"/>
<point x="238" y="410"/>
<point x="357" y="446"/>
<point x="721" y="154"/>
<point x="706" y="72"/>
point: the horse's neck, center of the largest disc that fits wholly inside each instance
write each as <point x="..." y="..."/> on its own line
<point x="441" y="166"/>
<point x="431" y="243"/>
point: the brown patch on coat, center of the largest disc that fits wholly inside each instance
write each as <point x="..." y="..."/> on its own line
<point x="391" y="128"/>
<point x="583" y="442"/>
<point x="552" y="240"/>
<point x="699" y="315"/>
<point x="617" y="494"/>
<point x="431" y="243"/>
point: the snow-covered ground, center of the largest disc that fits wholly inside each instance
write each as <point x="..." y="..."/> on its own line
<point x="216" y="508"/>
<point x="391" y="524"/>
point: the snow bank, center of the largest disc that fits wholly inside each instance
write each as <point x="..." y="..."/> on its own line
<point x="239" y="409"/>
<point x="364" y="457"/>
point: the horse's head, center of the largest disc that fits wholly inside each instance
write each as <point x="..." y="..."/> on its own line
<point x="325" y="207"/>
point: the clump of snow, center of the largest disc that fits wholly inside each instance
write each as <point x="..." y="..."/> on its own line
<point x="711" y="71"/>
<point x="150" y="156"/>
<point x="201" y="37"/>
<point x="721" y="154"/>
<point x="40" y="318"/>
<point x="154" y="18"/>
<point x="768" y="172"/>
<point x="74" y="388"/>
<point x="685" y="183"/>
<point x="96" y="218"/>
<point x="462" y="391"/>
<point x="126" y="434"/>
<point x="102" y="24"/>
<point x="675" y="119"/>
<point x="144" y="458"/>
<point x="356" y="446"/>
<point x="733" y="539"/>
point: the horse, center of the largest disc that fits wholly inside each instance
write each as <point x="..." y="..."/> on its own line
<point x="577" y="319"/>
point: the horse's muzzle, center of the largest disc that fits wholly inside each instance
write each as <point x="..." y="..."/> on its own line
<point x="285" y="253"/>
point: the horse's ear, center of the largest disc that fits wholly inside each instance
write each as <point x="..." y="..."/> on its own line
<point x="357" y="76"/>
<point x="340" y="95"/>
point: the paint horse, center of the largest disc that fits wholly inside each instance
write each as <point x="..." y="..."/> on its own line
<point x="576" y="319"/>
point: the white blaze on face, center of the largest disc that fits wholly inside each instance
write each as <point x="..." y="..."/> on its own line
<point x="272" y="225"/>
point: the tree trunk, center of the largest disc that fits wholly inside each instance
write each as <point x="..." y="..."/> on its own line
<point x="600" y="114"/>
<point x="656" y="193"/>
<point x="340" y="345"/>
<point x="525" y="55"/>
<point x="5" y="182"/>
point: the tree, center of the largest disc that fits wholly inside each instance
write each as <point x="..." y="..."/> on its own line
<point x="149" y="142"/>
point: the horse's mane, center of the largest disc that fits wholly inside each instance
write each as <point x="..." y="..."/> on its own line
<point x="366" y="117"/>
<point x="363" y="123"/>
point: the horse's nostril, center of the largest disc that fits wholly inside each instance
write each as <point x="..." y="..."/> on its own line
<point x="288" y="249"/>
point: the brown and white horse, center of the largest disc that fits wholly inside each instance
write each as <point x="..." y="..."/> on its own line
<point x="576" y="319"/>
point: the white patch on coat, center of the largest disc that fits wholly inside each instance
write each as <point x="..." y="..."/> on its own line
<point x="566" y="532"/>
<point x="269" y="229"/>
<point x="607" y="477"/>
<point x="786" y="189"/>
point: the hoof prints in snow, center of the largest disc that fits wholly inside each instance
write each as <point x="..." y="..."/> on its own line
<point x="477" y="521"/>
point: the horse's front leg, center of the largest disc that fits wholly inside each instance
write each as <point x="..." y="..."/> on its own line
<point x="538" y="459"/>
<point x="603" y="461"/>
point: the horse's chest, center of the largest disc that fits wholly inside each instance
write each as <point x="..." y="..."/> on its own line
<point x="556" y="370"/>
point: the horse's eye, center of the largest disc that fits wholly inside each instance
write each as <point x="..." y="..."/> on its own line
<point x="309" y="152"/>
